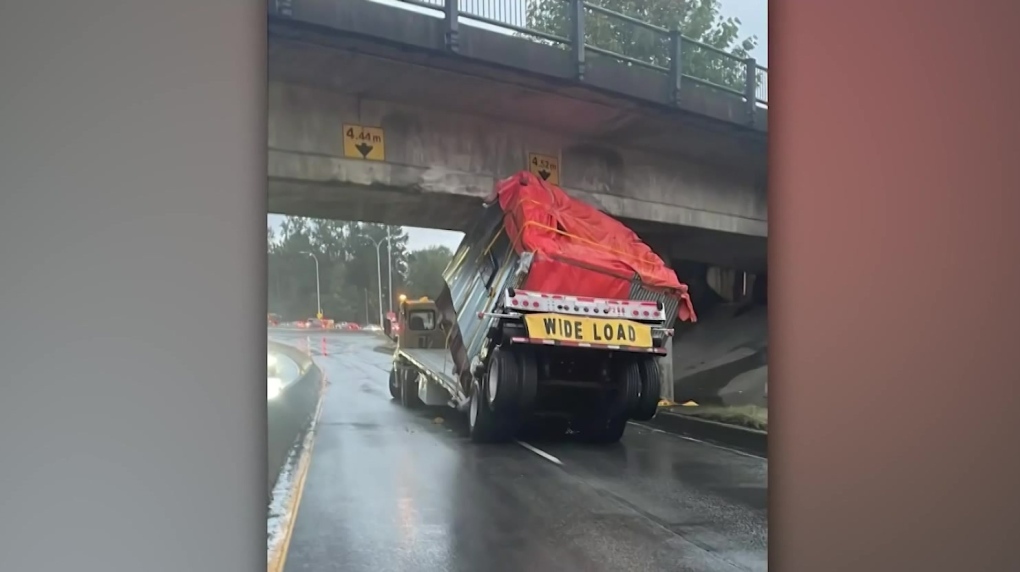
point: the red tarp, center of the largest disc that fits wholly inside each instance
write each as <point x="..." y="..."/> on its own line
<point x="579" y="250"/>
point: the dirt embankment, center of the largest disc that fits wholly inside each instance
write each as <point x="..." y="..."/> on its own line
<point x="723" y="358"/>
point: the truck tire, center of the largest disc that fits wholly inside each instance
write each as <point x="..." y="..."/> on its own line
<point x="528" y="365"/>
<point x="409" y="389"/>
<point x="609" y="423"/>
<point x="484" y="424"/>
<point x="651" y="390"/>
<point x="607" y="432"/>
<point x="394" y="384"/>
<point x="503" y="382"/>
<point x="628" y="394"/>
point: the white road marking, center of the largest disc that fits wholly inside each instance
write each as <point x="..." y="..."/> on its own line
<point x="540" y="453"/>
<point x="686" y="438"/>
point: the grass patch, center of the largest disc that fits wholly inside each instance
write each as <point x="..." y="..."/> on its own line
<point x="745" y="415"/>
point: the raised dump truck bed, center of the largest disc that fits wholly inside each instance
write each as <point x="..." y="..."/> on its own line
<point x="551" y="310"/>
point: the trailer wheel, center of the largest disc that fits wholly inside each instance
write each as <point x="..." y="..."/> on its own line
<point x="503" y="383"/>
<point x="606" y="432"/>
<point x="484" y="424"/>
<point x="628" y="394"/>
<point x="610" y="422"/>
<point x="394" y="384"/>
<point x="651" y="388"/>
<point x="409" y="390"/>
<point x="528" y="365"/>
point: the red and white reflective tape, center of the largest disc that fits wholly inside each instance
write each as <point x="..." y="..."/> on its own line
<point x="540" y="341"/>
<point x="641" y="310"/>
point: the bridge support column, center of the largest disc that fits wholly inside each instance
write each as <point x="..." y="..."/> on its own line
<point x="666" y="361"/>
<point x="666" y="372"/>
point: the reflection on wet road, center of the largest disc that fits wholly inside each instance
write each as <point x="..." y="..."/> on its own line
<point x="391" y="489"/>
<point x="287" y="370"/>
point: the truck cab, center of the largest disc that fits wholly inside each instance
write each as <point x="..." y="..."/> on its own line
<point x="417" y="332"/>
<point x="418" y="325"/>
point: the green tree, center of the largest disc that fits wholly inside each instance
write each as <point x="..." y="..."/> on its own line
<point x="425" y="271"/>
<point x="348" y="269"/>
<point x="698" y="20"/>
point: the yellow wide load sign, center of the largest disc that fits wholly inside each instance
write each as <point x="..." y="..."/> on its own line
<point x="594" y="331"/>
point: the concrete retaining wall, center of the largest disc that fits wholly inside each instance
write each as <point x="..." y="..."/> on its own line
<point x="723" y="359"/>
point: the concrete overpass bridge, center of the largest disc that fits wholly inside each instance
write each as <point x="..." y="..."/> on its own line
<point x="407" y="116"/>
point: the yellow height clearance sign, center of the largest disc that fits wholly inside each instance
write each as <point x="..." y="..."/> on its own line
<point x="594" y="331"/>
<point x="362" y="142"/>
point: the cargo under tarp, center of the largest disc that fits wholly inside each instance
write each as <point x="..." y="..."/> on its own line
<point x="579" y="250"/>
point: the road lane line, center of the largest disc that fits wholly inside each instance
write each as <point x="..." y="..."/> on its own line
<point x="540" y="453"/>
<point x="278" y="557"/>
<point x="686" y="438"/>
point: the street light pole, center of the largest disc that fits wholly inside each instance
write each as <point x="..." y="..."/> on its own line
<point x="389" y="267"/>
<point x="318" y="297"/>
<point x="378" y="267"/>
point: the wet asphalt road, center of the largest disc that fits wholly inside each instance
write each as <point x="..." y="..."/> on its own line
<point x="393" y="490"/>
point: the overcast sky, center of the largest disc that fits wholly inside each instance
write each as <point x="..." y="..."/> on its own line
<point x="753" y="15"/>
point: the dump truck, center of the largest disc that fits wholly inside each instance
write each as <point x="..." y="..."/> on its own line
<point x="552" y="318"/>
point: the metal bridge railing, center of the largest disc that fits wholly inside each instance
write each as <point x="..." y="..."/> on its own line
<point x="589" y="30"/>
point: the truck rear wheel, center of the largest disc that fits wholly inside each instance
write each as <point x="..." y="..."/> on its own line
<point x="608" y="431"/>
<point x="651" y="389"/>
<point x="528" y="379"/>
<point x="484" y="424"/>
<point x="503" y="383"/>
<point x="628" y="394"/>
<point x="609" y="424"/>
<point x="394" y="384"/>
<point x="409" y="389"/>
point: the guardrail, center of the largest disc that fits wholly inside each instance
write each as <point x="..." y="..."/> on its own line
<point x="590" y="30"/>
<point x="290" y="412"/>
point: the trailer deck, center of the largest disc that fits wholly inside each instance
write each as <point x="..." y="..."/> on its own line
<point x="437" y="365"/>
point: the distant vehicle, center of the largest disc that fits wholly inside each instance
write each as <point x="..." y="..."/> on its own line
<point x="273" y="320"/>
<point x="372" y="328"/>
<point x="539" y="328"/>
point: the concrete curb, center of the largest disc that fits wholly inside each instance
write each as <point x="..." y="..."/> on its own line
<point x="744" y="439"/>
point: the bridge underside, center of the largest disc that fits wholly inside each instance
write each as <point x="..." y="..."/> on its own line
<point x="408" y="207"/>
<point x="371" y="204"/>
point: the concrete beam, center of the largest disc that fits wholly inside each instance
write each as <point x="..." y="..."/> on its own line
<point x="431" y="196"/>
<point x="459" y="155"/>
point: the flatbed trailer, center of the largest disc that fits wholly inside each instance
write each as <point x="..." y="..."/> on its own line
<point x="437" y="367"/>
